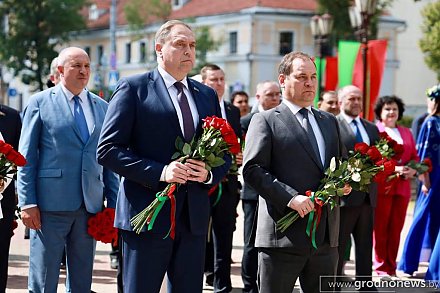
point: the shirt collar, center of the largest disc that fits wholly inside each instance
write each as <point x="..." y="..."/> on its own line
<point x="295" y="108"/>
<point x="350" y="119"/>
<point x="169" y="80"/>
<point x="82" y="95"/>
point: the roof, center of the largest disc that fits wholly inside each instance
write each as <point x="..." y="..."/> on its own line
<point x="195" y="8"/>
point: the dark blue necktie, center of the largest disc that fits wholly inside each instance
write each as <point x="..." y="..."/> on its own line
<point x="188" y="122"/>
<point x="309" y="130"/>
<point x="357" y="132"/>
<point x="80" y="119"/>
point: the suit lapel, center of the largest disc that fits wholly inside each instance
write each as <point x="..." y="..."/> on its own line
<point x="297" y="131"/>
<point x="348" y="136"/>
<point x="96" y="116"/>
<point x="326" y="131"/>
<point x="369" y="131"/>
<point x="59" y="98"/>
<point x="202" y="111"/>
<point x="164" y="99"/>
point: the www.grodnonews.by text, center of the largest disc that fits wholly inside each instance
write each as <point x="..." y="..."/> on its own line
<point x="340" y="282"/>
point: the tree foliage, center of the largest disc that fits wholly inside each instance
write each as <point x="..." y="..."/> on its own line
<point x="342" y="29"/>
<point x="205" y="43"/>
<point x="430" y="42"/>
<point x="34" y="29"/>
<point x="140" y="12"/>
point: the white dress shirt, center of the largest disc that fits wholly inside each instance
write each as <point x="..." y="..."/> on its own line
<point x="364" y="133"/>
<point x="85" y="104"/>
<point x="222" y="108"/>
<point x="172" y="91"/>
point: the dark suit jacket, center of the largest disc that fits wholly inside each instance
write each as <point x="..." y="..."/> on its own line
<point x="138" y="140"/>
<point x="247" y="192"/>
<point x="356" y="198"/>
<point x="278" y="150"/>
<point x="10" y="127"/>
<point x="233" y="117"/>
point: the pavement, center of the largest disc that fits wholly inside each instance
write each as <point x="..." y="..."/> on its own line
<point x="104" y="278"/>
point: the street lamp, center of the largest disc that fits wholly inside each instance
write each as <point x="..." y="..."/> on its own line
<point x="321" y="27"/>
<point x="360" y="16"/>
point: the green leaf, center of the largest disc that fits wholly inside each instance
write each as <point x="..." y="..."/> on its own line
<point x="179" y="143"/>
<point x="186" y="149"/>
<point x="217" y="162"/>
<point x="176" y="155"/>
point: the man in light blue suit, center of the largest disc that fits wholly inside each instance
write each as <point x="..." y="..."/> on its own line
<point x="62" y="184"/>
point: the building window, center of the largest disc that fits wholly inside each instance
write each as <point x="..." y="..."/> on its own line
<point x="286" y="42"/>
<point x="100" y="54"/>
<point x="87" y="49"/>
<point x="233" y="42"/>
<point x="128" y="53"/>
<point x="142" y="52"/>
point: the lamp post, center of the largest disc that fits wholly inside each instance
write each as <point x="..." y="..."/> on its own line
<point x="321" y="27"/>
<point x="360" y="16"/>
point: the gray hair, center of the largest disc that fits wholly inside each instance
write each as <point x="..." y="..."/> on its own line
<point x="164" y="31"/>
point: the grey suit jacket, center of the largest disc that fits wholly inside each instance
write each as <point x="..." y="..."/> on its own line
<point x="247" y="192"/>
<point x="278" y="150"/>
<point x="356" y="198"/>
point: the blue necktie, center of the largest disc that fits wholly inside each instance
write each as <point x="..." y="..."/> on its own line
<point x="358" y="132"/>
<point x="309" y="130"/>
<point x="188" y="122"/>
<point x="80" y="119"/>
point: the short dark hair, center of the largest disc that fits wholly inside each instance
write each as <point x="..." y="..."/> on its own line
<point x="285" y="66"/>
<point x="212" y="67"/>
<point x="238" y="93"/>
<point x="321" y="96"/>
<point x="382" y="101"/>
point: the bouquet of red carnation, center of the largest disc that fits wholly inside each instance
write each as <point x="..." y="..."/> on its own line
<point x="388" y="147"/>
<point x="100" y="227"/>
<point x="218" y="138"/>
<point x="10" y="159"/>
<point x="364" y="165"/>
<point x="421" y="167"/>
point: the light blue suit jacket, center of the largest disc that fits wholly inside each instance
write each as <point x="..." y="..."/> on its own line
<point x="62" y="171"/>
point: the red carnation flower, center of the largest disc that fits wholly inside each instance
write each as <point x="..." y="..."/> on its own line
<point x="374" y="154"/>
<point x="361" y="147"/>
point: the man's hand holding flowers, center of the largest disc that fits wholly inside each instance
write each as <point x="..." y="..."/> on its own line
<point x="302" y="205"/>
<point x="192" y="162"/>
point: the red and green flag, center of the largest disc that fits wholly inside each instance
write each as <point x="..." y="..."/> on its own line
<point x="350" y="69"/>
<point x="329" y="79"/>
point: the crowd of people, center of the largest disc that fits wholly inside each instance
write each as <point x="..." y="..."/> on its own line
<point x="82" y="152"/>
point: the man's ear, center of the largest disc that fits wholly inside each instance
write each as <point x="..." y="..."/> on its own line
<point x="281" y="79"/>
<point x="158" y="49"/>
<point x="60" y="69"/>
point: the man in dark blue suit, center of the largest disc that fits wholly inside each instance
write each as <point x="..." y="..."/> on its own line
<point x="225" y="198"/>
<point x="146" y="115"/>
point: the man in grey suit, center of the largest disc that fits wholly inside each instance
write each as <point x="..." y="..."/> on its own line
<point x="287" y="150"/>
<point x="62" y="184"/>
<point x="357" y="209"/>
<point x="268" y="96"/>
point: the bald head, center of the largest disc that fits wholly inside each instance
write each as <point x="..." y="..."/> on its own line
<point x="268" y="94"/>
<point x="350" y="100"/>
<point x="74" y="69"/>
